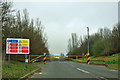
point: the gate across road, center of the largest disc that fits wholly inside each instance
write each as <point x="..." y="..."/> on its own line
<point x="76" y="58"/>
<point x="69" y="57"/>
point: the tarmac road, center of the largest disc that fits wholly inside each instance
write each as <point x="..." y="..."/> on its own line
<point x="66" y="69"/>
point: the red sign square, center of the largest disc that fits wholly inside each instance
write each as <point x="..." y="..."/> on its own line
<point x="13" y="51"/>
<point x="24" y="51"/>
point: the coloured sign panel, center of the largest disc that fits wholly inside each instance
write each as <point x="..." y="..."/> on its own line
<point x="17" y="46"/>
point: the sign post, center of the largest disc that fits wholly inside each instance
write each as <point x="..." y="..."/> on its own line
<point x="88" y="53"/>
<point x="9" y="61"/>
<point x="26" y="61"/>
<point x="16" y="46"/>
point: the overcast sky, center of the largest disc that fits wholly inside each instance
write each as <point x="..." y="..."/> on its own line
<point x="63" y="18"/>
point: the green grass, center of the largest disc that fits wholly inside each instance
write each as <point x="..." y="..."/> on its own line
<point x="113" y="66"/>
<point x="17" y="69"/>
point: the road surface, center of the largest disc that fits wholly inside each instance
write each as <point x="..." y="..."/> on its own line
<point x="66" y="69"/>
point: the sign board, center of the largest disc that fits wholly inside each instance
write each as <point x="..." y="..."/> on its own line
<point x="17" y="46"/>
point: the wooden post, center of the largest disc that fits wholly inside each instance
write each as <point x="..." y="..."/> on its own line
<point x="25" y="56"/>
<point x="29" y="59"/>
<point x="104" y="60"/>
<point x="113" y="58"/>
<point x="76" y="57"/>
<point x="83" y="57"/>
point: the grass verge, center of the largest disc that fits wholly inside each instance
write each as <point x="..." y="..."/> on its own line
<point x="113" y="66"/>
<point x="108" y="60"/>
<point x="17" y="69"/>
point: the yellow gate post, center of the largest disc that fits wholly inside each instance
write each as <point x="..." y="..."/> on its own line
<point x="88" y="58"/>
<point x="44" y="58"/>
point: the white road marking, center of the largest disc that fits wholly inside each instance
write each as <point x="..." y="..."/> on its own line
<point x="82" y="70"/>
<point x="103" y="78"/>
<point x="113" y="70"/>
<point x="36" y="73"/>
<point x="40" y="73"/>
<point x="99" y="78"/>
<point x="32" y="77"/>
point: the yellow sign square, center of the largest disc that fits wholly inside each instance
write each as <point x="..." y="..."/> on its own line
<point x="24" y="44"/>
<point x="25" y="41"/>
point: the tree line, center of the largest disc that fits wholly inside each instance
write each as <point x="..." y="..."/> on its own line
<point x="103" y="42"/>
<point x="17" y="24"/>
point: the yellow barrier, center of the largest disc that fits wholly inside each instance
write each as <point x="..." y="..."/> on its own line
<point x="68" y="57"/>
<point x="34" y="58"/>
<point x="44" y="58"/>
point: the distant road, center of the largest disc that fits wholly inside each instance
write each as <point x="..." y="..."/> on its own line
<point x="64" y="69"/>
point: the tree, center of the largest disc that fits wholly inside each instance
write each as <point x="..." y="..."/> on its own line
<point x="73" y="44"/>
<point x="21" y="26"/>
<point x="116" y="37"/>
<point x="98" y="47"/>
<point x="104" y="42"/>
<point x="7" y="19"/>
<point x="106" y="33"/>
<point x="100" y="32"/>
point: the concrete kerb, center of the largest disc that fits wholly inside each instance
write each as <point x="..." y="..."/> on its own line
<point x="26" y="76"/>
